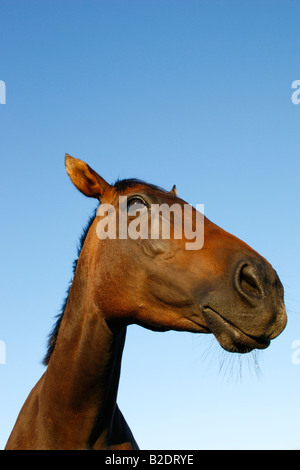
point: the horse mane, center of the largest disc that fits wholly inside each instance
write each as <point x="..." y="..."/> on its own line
<point x="121" y="186"/>
<point x="53" y="335"/>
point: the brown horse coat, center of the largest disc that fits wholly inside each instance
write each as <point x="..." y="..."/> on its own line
<point x="224" y="288"/>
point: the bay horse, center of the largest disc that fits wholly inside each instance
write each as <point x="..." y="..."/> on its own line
<point x="224" y="288"/>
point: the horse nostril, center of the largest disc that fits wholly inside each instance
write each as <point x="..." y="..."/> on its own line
<point x="247" y="282"/>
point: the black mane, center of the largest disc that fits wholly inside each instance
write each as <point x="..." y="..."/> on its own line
<point x="54" y="332"/>
<point x="121" y="186"/>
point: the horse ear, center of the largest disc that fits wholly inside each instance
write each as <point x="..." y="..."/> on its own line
<point x="85" y="178"/>
<point x="174" y="191"/>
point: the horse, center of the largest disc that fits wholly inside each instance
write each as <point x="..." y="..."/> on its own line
<point x="224" y="288"/>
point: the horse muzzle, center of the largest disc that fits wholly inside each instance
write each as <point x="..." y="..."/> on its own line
<point x="246" y="310"/>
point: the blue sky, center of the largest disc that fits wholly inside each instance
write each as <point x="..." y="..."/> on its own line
<point x="196" y="93"/>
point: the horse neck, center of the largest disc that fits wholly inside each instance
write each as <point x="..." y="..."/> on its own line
<point x="82" y="377"/>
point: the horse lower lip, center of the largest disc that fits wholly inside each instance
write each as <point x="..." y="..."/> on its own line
<point x="230" y="336"/>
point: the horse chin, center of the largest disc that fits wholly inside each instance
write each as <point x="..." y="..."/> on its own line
<point x="230" y="337"/>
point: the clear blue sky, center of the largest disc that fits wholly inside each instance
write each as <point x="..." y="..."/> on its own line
<point x="196" y="93"/>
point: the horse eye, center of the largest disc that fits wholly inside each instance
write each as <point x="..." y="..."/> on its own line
<point x="134" y="205"/>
